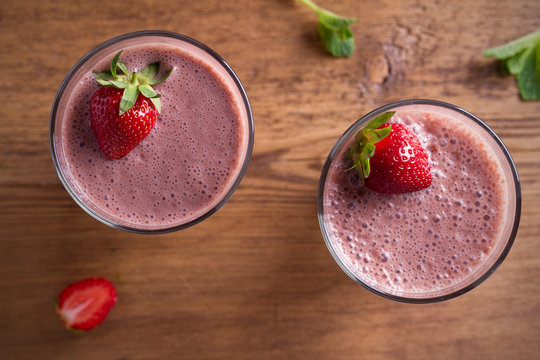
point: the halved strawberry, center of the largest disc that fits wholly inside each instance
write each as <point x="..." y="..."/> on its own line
<point x="396" y="164"/>
<point x="85" y="304"/>
<point x="125" y="109"/>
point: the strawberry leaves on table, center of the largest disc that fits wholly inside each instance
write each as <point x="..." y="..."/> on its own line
<point x="334" y="31"/>
<point x="132" y="83"/>
<point x="521" y="57"/>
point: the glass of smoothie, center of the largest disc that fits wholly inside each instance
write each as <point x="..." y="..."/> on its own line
<point x="436" y="243"/>
<point x="191" y="161"/>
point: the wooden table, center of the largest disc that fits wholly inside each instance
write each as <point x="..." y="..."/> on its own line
<point x="255" y="281"/>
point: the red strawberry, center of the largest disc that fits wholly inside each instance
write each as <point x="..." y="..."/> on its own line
<point x="118" y="134"/>
<point x="124" y="111"/>
<point x="396" y="164"/>
<point x="85" y="304"/>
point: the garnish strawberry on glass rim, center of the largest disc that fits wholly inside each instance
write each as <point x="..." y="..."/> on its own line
<point x="389" y="157"/>
<point x="125" y="109"/>
<point x="84" y="304"/>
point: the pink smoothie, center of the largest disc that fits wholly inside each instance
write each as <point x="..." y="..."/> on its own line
<point x="430" y="242"/>
<point x="187" y="163"/>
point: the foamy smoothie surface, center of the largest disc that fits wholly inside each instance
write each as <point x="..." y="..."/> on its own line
<point x="426" y="241"/>
<point x="187" y="163"/>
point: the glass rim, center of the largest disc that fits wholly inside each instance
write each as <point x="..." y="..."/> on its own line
<point x="165" y="34"/>
<point x="352" y="130"/>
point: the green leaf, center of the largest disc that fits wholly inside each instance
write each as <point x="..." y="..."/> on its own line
<point x="515" y="64"/>
<point x="339" y="43"/>
<point x="161" y="79"/>
<point x="103" y="76"/>
<point x="364" y="147"/>
<point x="364" y="168"/>
<point x="377" y="135"/>
<point x="123" y="68"/>
<point x="528" y="79"/>
<point x="513" y="47"/>
<point x="537" y="66"/>
<point x="362" y="161"/>
<point x="157" y="103"/>
<point x="133" y="83"/>
<point x="119" y="84"/>
<point x="115" y="62"/>
<point x="380" y="120"/>
<point x="369" y="150"/>
<point x="147" y="91"/>
<point x="334" y="31"/>
<point x="150" y="71"/>
<point x="128" y="98"/>
<point x="104" y="82"/>
<point x="522" y="58"/>
<point x="334" y="21"/>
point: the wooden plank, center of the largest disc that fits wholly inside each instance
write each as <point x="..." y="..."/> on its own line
<point x="255" y="280"/>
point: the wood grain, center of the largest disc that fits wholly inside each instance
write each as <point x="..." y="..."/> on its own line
<point x="255" y="281"/>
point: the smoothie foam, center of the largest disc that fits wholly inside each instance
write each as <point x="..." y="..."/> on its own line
<point x="430" y="242"/>
<point x="188" y="162"/>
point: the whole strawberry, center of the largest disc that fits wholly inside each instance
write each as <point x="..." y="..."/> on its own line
<point x="85" y="304"/>
<point x="125" y="109"/>
<point x="390" y="158"/>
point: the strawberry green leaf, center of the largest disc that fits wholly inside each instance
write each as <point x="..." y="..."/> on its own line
<point x="128" y="98"/>
<point x="380" y="120"/>
<point x="157" y="103"/>
<point x="104" y="82"/>
<point x="150" y="71"/>
<point x="161" y="79"/>
<point x="119" y="84"/>
<point x="123" y="68"/>
<point x="364" y="160"/>
<point x="103" y="76"/>
<point x="115" y="62"/>
<point x="369" y="150"/>
<point x="133" y="83"/>
<point x="377" y="135"/>
<point x="147" y="91"/>
<point x="364" y="147"/>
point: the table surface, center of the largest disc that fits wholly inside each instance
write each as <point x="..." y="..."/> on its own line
<point x="255" y="280"/>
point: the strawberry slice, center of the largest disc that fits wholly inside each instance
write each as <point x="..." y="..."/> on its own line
<point x="390" y="158"/>
<point x="85" y="304"/>
<point x="125" y="109"/>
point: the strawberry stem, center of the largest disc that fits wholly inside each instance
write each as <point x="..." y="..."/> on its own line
<point x="133" y="83"/>
<point x="364" y="147"/>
